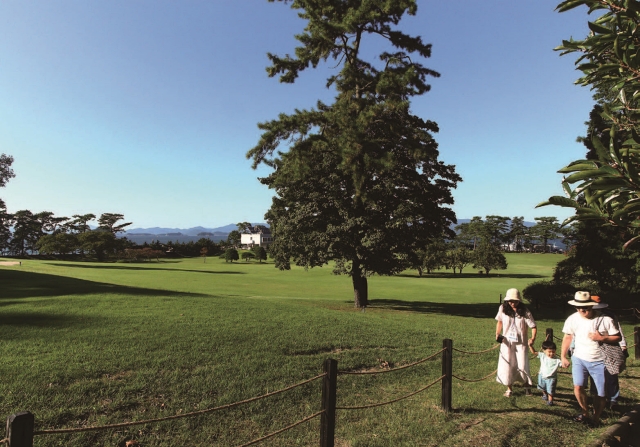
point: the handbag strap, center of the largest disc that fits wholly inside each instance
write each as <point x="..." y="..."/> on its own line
<point x="598" y="322"/>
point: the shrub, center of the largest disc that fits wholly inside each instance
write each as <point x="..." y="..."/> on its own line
<point x="548" y="293"/>
<point x="230" y="255"/>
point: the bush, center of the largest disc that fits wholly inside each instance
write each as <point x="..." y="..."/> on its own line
<point x="549" y="293"/>
<point x="230" y="255"/>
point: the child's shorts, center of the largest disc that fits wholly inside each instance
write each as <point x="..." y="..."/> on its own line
<point x="547" y="385"/>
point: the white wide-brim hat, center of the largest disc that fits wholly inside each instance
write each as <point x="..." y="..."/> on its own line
<point x="512" y="295"/>
<point x="583" y="299"/>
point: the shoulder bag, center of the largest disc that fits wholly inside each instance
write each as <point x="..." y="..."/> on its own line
<point x="614" y="358"/>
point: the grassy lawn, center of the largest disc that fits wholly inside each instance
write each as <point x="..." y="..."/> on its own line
<point x="90" y="344"/>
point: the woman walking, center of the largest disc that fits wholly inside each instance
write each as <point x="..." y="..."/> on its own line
<point x="512" y="330"/>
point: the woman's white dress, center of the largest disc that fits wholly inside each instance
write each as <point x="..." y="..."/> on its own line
<point x="513" y="364"/>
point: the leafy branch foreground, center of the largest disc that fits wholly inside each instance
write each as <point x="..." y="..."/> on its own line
<point x="606" y="187"/>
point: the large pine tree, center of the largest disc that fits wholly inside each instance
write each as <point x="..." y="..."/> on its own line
<point x="357" y="181"/>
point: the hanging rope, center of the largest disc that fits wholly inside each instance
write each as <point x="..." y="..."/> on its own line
<point x="255" y="441"/>
<point x="362" y="373"/>
<point x="177" y="416"/>
<point x="475" y="380"/>
<point x="362" y="407"/>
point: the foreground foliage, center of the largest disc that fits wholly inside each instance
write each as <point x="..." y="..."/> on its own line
<point x="606" y="189"/>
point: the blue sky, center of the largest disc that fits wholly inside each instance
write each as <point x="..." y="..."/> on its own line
<point x="148" y="107"/>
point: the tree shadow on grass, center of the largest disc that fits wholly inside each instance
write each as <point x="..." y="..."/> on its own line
<point x="130" y="267"/>
<point x="39" y="319"/>
<point x="473" y="310"/>
<point x="449" y="275"/>
<point x="17" y="284"/>
<point x="479" y="310"/>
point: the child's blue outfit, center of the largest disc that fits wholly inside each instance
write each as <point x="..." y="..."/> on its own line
<point x="548" y="374"/>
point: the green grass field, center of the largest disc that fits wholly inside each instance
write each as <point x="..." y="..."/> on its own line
<point x="88" y="344"/>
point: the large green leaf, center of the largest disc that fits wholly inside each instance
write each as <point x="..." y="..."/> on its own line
<point x="559" y="201"/>
<point x="602" y="152"/>
<point x="579" y="165"/>
<point x="566" y="6"/>
<point x="588" y="174"/>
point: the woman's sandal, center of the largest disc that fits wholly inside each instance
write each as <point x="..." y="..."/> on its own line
<point x="507" y="393"/>
<point x="581" y="418"/>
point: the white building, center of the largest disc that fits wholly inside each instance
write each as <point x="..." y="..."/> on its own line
<point x="258" y="235"/>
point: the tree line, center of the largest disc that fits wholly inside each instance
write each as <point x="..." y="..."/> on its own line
<point x="481" y="243"/>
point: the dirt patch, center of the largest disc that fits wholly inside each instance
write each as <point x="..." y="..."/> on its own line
<point x="10" y="263"/>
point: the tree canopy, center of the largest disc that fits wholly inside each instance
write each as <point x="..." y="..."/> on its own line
<point x="357" y="181"/>
<point x="6" y="173"/>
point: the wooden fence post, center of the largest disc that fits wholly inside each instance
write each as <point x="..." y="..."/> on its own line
<point x="636" y="340"/>
<point x="328" y="417"/>
<point x="549" y="336"/>
<point x="20" y="429"/>
<point x="447" y="371"/>
<point x="500" y="299"/>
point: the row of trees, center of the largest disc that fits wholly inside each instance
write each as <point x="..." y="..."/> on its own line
<point x="257" y="252"/>
<point x="481" y="243"/>
<point x="47" y="234"/>
<point x="512" y="234"/>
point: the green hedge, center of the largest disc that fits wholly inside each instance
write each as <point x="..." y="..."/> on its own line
<point x="548" y="293"/>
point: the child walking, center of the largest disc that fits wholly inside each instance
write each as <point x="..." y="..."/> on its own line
<point x="548" y="375"/>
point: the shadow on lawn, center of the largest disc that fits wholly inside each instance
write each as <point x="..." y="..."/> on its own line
<point x="476" y="310"/>
<point x="481" y="310"/>
<point x="129" y="267"/>
<point x="17" y="284"/>
<point x="38" y="319"/>
<point x="449" y="275"/>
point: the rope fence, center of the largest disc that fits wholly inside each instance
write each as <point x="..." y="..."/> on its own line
<point x="20" y="426"/>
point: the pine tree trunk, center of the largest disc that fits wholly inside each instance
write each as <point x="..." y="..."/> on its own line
<point x="360" y="287"/>
<point x="360" y="291"/>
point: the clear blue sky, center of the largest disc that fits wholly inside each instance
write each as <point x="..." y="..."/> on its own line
<point x="148" y="107"/>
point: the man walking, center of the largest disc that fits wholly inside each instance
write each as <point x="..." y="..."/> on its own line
<point x="587" y="358"/>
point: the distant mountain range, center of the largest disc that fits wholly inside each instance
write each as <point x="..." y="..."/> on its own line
<point x="194" y="231"/>
<point x="164" y="235"/>
<point x="219" y="231"/>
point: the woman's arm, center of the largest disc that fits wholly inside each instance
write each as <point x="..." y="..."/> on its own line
<point x="534" y="332"/>
<point x="498" y="328"/>
<point x="566" y="342"/>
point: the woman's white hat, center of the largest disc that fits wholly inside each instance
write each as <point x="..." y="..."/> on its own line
<point x="583" y="299"/>
<point x="512" y="295"/>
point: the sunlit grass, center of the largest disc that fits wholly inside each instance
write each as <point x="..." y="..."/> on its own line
<point x="90" y="344"/>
